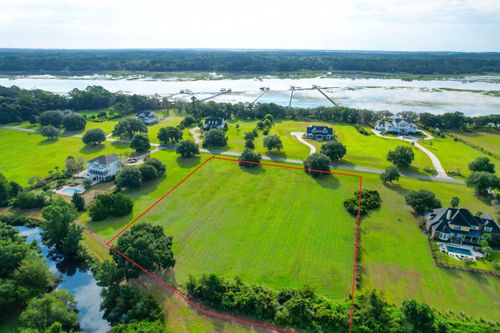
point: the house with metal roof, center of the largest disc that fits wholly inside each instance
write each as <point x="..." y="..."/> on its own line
<point x="103" y="168"/>
<point x="398" y="126"/>
<point x="459" y="225"/>
<point x="214" y="122"/>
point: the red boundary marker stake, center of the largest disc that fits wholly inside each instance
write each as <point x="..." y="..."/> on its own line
<point x="223" y="316"/>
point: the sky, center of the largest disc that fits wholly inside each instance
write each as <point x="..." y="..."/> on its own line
<point x="392" y="25"/>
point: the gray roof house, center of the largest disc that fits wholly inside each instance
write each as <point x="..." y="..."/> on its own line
<point x="148" y="117"/>
<point x="103" y="168"/>
<point x="319" y="133"/>
<point x="213" y="122"/>
<point x="459" y="225"/>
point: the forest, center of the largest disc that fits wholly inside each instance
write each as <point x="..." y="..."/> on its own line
<point x="32" y="61"/>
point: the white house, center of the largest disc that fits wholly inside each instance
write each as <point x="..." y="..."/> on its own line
<point x="398" y="125"/>
<point x="148" y="117"/>
<point x="103" y="168"/>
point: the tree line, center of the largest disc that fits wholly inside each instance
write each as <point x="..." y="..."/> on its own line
<point x="253" y="61"/>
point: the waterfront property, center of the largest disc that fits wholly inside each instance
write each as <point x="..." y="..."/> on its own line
<point x="213" y="122"/>
<point x="102" y="168"/>
<point x="458" y="225"/>
<point x="397" y="125"/>
<point x="148" y="117"/>
<point x="319" y="133"/>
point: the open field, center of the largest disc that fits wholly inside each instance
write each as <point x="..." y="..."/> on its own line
<point x="26" y="155"/>
<point x="489" y="140"/>
<point x="396" y="257"/>
<point x="270" y="226"/>
<point x="455" y="155"/>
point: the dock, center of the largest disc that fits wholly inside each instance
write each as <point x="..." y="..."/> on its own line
<point x="324" y="94"/>
<point x="216" y="95"/>
<point x="292" y="88"/>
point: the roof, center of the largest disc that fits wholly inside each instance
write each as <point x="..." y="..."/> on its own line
<point x="105" y="159"/>
<point x="441" y="218"/>
<point x="313" y="129"/>
<point x="147" y="114"/>
<point x="214" y="121"/>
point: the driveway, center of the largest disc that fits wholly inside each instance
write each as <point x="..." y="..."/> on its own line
<point x="300" y="137"/>
<point x="195" y="132"/>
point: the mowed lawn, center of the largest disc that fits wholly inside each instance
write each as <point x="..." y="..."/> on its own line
<point x="270" y="226"/>
<point x="489" y="140"/>
<point x="397" y="260"/>
<point x="26" y="155"/>
<point x="455" y="155"/>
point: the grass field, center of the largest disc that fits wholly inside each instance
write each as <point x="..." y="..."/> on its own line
<point x="489" y="140"/>
<point x="26" y="155"/>
<point x="272" y="226"/>
<point x="455" y="155"/>
<point x="397" y="260"/>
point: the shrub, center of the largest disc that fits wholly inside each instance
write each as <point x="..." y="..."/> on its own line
<point x="94" y="136"/>
<point x="148" y="172"/>
<point x="107" y="204"/>
<point x="370" y="199"/>
<point x="28" y="200"/>
<point x="54" y="118"/>
<point x="422" y="201"/>
<point x="317" y="161"/>
<point x="129" y="177"/>
<point x="74" y="122"/>
<point x="273" y="142"/>
<point x="187" y="148"/>
<point x="215" y="138"/>
<point x="140" y="143"/>
<point x="334" y="150"/>
<point x="401" y="156"/>
<point x="50" y="132"/>
<point x="250" y="156"/>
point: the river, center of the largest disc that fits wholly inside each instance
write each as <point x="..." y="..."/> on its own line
<point x="470" y="95"/>
<point x="79" y="282"/>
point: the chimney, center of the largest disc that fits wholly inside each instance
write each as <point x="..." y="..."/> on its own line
<point x="448" y="214"/>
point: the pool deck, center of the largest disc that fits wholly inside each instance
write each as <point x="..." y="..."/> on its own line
<point x="460" y="256"/>
<point x="62" y="190"/>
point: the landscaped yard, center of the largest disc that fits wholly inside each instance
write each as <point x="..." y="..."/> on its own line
<point x="26" y="155"/>
<point x="455" y="155"/>
<point x="272" y="226"/>
<point x="396" y="257"/>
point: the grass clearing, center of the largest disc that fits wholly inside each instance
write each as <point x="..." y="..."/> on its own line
<point x="455" y="155"/>
<point x="396" y="257"/>
<point x="26" y="155"/>
<point x="270" y="226"/>
<point x="489" y="140"/>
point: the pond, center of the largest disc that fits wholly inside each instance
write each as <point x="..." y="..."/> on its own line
<point x="473" y="95"/>
<point x="79" y="282"/>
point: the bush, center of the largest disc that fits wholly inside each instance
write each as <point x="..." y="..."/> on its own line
<point x="390" y="174"/>
<point x="50" y="132"/>
<point x="250" y="156"/>
<point x="334" y="150"/>
<point x="74" y="122"/>
<point x="422" y="201"/>
<point x="361" y="130"/>
<point x="401" y="156"/>
<point x="188" y="121"/>
<point x="107" y="204"/>
<point x="273" y="142"/>
<point x="157" y="164"/>
<point x="54" y="118"/>
<point x="129" y="177"/>
<point x="370" y="199"/>
<point x="148" y="172"/>
<point x="140" y="143"/>
<point x="169" y="135"/>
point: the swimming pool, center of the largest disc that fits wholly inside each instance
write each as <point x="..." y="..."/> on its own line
<point x="459" y="250"/>
<point x="71" y="190"/>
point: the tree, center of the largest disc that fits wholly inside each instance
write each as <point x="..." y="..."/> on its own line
<point x="140" y="326"/>
<point x="127" y="128"/>
<point x="187" y="149"/>
<point x="32" y="278"/>
<point x="422" y="201"/>
<point x="121" y="205"/>
<point x="419" y="316"/>
<point x="94" y="136"/>
<point x="74" y="165"/>
<point x="50" y="132"/>
<point x="5" y="190"/>
<point x="146" y="244"/>
<point x="54" y="118"/>
<point x="157" y="164"/>
<point x="249" y="144"/>
<point x="59" y="216"/>
<point x="334" y="150"/>
<point x="106" y="204"/>
<point x="140" y="143"/>
<point x="78" y="201"/>
<point x="454" y="202"/>
<point x="215" y="138"/>
<point x="273" y="142"/>
<point x="269" y="117"/>
<point x="129" y="177"/>
<point x="482" y="182"/>
<point x="482" y="164"/>
<point x="485" y="244"/>
<point x="401" y="156"/>
<point x="390" y="174"/>
<point x="70" y="246"/>
<point x="74" y="122"/>
<point x="58" y="306"/>
<point x="98" y="211"/>
<point x="318" y="162"/>
<point x="169" y="135"/>
<point x="148" y="172"/>
<point x="250" y="156"/>
<point x="187" y="121"/>
<point x="29" y="200"/>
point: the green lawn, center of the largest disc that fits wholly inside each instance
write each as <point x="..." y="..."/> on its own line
<point x="396" y="257"/>
<point x="272" y="226"/>
<point x="165" y="122"/>
<point x="455" y="155"/>
<point x="26" y="155"/>
<point x="489" y="140"/>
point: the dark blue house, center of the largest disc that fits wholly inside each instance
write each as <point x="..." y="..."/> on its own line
<point x="319" y="133"/>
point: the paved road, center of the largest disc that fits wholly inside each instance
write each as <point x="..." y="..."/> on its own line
<point x="441" y="173"/>
<point x="269" y="158"/>
<point x="300" y="137"/>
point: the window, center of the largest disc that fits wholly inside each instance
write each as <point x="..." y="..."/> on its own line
<point x="488" y="229"/>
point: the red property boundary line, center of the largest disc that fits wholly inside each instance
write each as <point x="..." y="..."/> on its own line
<point x="223" y="316"/>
